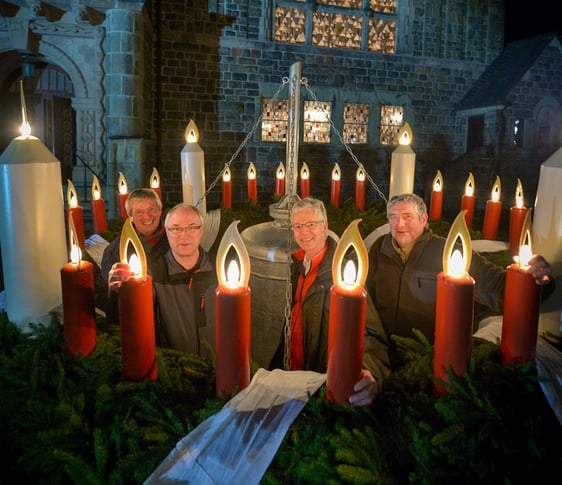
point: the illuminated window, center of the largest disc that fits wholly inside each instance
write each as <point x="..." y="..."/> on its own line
<point x="392" y="119"/>
<point x="275" y="119"/>
<point x="348" y="24"/>
<point x="355" y="122"/>
<point x="316" y="125"/>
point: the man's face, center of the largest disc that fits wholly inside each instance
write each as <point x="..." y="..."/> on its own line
<point x="184" y="230"/>
<point x="406" y="225"/>
<point x="146" y="216"/>
<point x="310" y="239"/>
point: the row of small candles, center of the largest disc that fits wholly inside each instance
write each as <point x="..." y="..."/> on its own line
<point x="348" y="297"/>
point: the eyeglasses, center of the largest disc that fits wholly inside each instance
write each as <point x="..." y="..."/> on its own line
<point x="306" y="225"/>
<point x="177" y="230"/>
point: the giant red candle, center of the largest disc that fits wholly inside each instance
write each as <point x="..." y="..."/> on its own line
<point x="280" y="180"/>
<point x="335" y="186"/>
<point x="348" y="303"/>
<point x="226" y="188"/>
<point x="436" y="202"/>
<point x="75" y="211"/>
<point x="233" y="313"/>
<point x="516" y="217"/>
<point x="79" y="316"/>
<point x="97" y="204"/>
<point x="122" y="196"/>
<point x="305" y="181"/>
<point x="252" y="184"/>
<point x="521" y="305"/>
<point x="454" y="310"/>
<point x="136" y="312"/>
<point x="492" y="213"/>
<point x="360" y="189"/>
<point x="468" y="200"/>
<point x="155" y="182"/>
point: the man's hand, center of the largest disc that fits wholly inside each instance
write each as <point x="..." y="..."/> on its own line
<point x="118" y="273"/>
<point x="366" y="390"/>
<point x="540" y="269"/>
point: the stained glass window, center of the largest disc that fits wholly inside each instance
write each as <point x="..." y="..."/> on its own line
<point x="316" y="124"/>
<point x="275" y="119"/>
<point x="355" y="122"/>
<point x="392" y="119"/>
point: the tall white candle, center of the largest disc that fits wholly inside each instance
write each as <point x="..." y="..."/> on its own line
<point x="402" y="165"/>
<point x="193" y="169"/>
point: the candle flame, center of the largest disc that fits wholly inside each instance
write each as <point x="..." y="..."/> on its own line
<point x="154" y="179"/>
<point x="231" y="238"/>
<point x="405" y="134"/>
<point x="226" y="174"/>
<point x="349" y="273"/>
<point x="25" y="128"/>
<point x="458" y="230"/>
<point x="122" y="184"/>
<point x="252" y="171"/>
<point x="191" y="132"/>
<point x="525" y="242"/>
<point x="351" y="237"/>
<point x="232" y="273"/>
<point x="305" y="172"/>
<point x="71" y="195"/>
<point x="496" y="190"/>
<point x="75" y="254"/>
<point x="75" y="251"/>
<point x="130" y="236"/>
<point x="280" y="174"/>
<point x="336" y="172"/>
<point x="469" y="185"/>
<point x="438" y="182"/>
<point x="96" y="188"/>
<point x="360" y="175"/>
<point x="519" y="194"/>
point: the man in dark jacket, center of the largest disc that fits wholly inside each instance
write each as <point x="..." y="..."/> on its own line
<point x="403" y="269"/>
<point x="307" y="347"/>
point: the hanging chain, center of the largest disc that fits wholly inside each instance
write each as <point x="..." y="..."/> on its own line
<point x="347" y="147"/>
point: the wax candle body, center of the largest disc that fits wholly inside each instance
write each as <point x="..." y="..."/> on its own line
<point x="335" y="193"/>
<point x="252" y="191"/>
<point x="435" y="205"/>
<point x="491" y="223"/>
<point x="454" y="317"/>
<point x="99" y="217"/>
<point x="122" y="208"/>
<point x="227" y="194"/>
<point x="136" y="317"/>
<point x="516" y="218"/>
<point x="77" y="214"/>
<point x="78" y="308"/>
<point x="279" y="186"/>
<point x="305" y="188"/>
<point x="467" y="203"/>
<point x="232" y="339"/>
<point x="520" y="316"/>
<point x="360" y="194"/>
<point x="345" y="341"/>
<point x="158" y="190"/>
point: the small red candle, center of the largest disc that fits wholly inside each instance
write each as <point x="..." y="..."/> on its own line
<point x="79" y="316"/>
<point x="360" y="189"/>
<point x="97" y="204"/>
<point x="335" y="186"/>
<point x="75" y="211"/>
<point x="516" y="217"/>
<point x="252" y="184"/>
<point x="521" y="305"/>
<point x="492" y="213"/>
<point x="436" y="202"/>
<point x="454" y="310"/>
<point x="348" y="303"/>
<point x="155" y="182"/>
<point x="280" y="180"/>
<point x="468" y="200"/>
<point x="136" y="312"/>
<point x="122" y="195"/>
<point x="233" y="303"/>
<point x="305" y="181"/>
<point x="226" y="188"/>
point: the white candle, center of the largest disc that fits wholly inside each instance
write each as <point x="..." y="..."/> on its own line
<point x="402" y="165"/>
<point x="193" y="169"/>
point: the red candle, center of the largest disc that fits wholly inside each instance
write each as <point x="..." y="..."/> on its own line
<point x="79" y="316"/>
<point x="360" y="189"/>
<point x="136" y="312"/>
<point x="521" y="306"/>
<point x="492" y="213"/>
<point x="468" y="200"/>
<point x="335" y="187"/>
<point x="305" y="181"/>
<point x="252" y="184"/>
<point x="155" y="182"/>
<point x="280" y="180"/>
<point x="516" y="217"/>
<point x="226" y="189"/>
<point x="454" y="308"/>
<point x="233" y="303"/>
<point x="97" y="204"/>
<point x="348" y="303"/>
<point x="76" y="212"/>
<point x="122" y="196"/>
<point x="436" y="202"/>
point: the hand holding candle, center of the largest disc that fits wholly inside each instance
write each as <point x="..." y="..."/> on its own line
<point x="335" y="186"/>
<point x="492" y="213"/>
<point x="97" y="204"/>
<point x="468" y="200"/>
<point x="436" y="202"/>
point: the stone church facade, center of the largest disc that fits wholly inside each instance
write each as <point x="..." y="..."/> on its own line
<point x="112" y="85"/>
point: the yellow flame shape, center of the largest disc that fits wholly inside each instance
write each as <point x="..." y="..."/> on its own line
<point x="458" y="229"/>
<point x="130" y="236"/>
<point x="469" y="185"/>
<point x="231" y="238"/>
<point x="96" y="189"/>
<point x="496" y="190"/>
<point x="191" y="132"/>
<point x="351" y="237"/>
<point x="71" y="194"/>
<point x="154" y="178"/>
<point x="304" y="171"/>
<point x="438" y="182"/>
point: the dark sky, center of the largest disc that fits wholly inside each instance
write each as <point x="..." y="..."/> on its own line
<point x="527" y="18"/>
